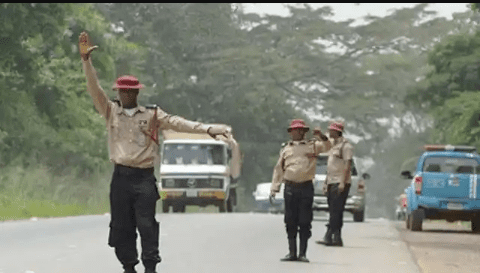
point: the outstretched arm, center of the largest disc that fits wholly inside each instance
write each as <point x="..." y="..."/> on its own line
<point x="181" y="124"/>
<point x="100" y="99"/>
<point x="322" y="144"/>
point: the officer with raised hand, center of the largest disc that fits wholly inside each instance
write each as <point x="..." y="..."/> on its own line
<point x="338" y="182"/>
<point x="296" y="168"/>
<point x="133" y="148"/>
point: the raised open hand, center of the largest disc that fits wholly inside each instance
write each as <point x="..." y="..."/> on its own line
<point x="85" y="46"/>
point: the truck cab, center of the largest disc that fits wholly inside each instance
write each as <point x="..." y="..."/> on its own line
<point x="196" y="169"/>
<point x="444" y="185"/>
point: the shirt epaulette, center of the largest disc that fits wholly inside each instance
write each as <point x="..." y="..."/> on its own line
<point x="151" y="106"/>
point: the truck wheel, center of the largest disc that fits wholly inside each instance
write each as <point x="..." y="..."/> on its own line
<point x="230" y="205"/>
<point x="165" y="206"/>
<point x="358" y="216"/>
<point x="178" y="208"/>
<point x="407" y="221"/>
<point x="416" y="219"/>
<point x="222" y="206"/>
<point x="476" y="224"/>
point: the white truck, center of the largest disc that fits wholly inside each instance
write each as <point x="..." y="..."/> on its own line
<point x="196" y="169"/>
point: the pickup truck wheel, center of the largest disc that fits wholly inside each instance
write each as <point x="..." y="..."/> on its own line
<point x="165" y="206"/>
<point x="476" y="224"/>
<point x="222" y="206"/>
<point x="416" y="219"/>
<point x="358" y="216"/>
<point x="230" y="205"/>
<point x="178" y="208"/>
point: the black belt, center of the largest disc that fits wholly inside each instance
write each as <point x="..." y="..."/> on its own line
<point x="126" y="170"/>
<point x="297" y="184"/>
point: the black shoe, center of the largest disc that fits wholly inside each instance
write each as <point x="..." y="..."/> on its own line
<point x="150" y="271"/>
<point x="302" y="258"/>
<point x="289" y="258"/>
<point x="337" y="239"/>
<point x="129" y="269"/>
<point x="326" y="241"/>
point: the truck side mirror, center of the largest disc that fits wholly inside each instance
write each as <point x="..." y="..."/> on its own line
<point x="365" y="176"/>
<point x="406" y="175"/>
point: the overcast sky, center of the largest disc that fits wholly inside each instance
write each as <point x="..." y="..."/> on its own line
<point x="345" y="11"/>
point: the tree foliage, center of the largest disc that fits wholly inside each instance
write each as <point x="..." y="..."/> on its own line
<point x="215" y="63"/>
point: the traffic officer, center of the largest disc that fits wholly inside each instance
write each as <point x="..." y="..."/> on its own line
<point x="296" y="168"/>
<point x="133" y="148"/>
<point x="337" y="183"/>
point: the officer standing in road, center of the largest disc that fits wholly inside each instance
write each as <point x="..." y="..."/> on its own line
<point x="296" y="168"/>
<point x="133" y="148"/>
<point x="337" y="184"/>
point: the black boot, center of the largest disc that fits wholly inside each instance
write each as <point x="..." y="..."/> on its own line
<point x="129" y="269"/>
<point x="303" y="250"/>
<point x="327" y="239"/>
<point x="292" y="247"/>
<point x="337" y="238"/>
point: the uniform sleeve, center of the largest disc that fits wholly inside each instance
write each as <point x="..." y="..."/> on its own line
<point x="179" y="124"/>
<point x="278" y="173"/>
<point x="236" y="162"/>
<point x="348" y="151"/>
<point x="322" y="146"/>
<point x="100" y="99"/>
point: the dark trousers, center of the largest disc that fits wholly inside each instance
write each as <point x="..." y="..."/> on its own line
<point x="298" y="211"/>
<point x="133" y="196"/>
<point x="336" y="205"/>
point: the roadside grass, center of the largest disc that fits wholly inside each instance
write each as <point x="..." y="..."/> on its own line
<point x="36" y="192"/>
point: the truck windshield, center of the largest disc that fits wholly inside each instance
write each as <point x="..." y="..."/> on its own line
<point x="451" y="165"/>
<point x="193" y="154"/>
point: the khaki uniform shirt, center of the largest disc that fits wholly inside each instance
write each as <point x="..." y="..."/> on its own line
<point x="130" y="139"/>
<point x="336" y="166"/>
<point x="297" y="162"/>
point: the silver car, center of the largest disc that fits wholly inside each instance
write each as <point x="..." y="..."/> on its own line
<point x="262" y="201"/>
<point x="356" y="198"/>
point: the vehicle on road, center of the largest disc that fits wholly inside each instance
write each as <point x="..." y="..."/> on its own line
<point x="196" y="169"/>
<point x="262" y="202"/>
<point x="444" y="186"/>
<point x="356" y="198"/>
<point x="401" y="208"/>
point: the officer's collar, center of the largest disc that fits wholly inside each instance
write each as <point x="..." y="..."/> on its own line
<point x="139" y="108"/>
<point x="297" y="142"/>
<point x="339" y="140"/>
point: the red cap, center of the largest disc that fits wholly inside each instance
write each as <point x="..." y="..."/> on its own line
<point x="127" y="82"/>
<point x="337" y="126"/>
<point x="298" y="123"/>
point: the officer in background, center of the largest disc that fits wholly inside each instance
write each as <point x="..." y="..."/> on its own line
<point x="296" y="168"/>
<point x="133" y="148"/>
<point x="337" y="183"/>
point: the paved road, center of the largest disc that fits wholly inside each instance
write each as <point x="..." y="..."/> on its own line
<point x="443" y="247"/>
<point x="201" y="242"/>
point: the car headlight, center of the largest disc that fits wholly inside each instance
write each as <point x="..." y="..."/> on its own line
<point x="170" y="183"/>
<point x="216" y="183"/>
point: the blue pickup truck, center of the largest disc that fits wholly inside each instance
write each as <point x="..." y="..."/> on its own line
<point x="444" y="186"/>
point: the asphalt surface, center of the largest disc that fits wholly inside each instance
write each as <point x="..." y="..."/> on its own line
<point x="201" y="242"/>
<point x="443" y="247"/>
